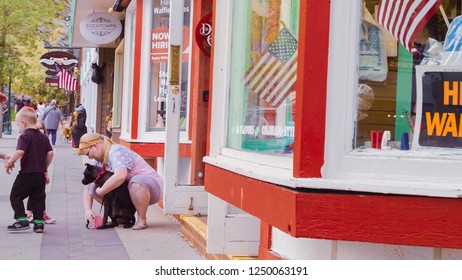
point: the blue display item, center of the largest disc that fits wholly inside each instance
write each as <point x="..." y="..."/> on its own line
<point x="404" y="141"/>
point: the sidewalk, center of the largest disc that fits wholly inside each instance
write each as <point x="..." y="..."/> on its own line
<point x="69" y="239"/>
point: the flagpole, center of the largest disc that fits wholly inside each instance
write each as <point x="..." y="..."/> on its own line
<point x="444" y="16"/>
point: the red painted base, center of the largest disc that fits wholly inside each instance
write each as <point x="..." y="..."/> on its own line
<point x="376" y="218"/>
<point x="155" y="149"/>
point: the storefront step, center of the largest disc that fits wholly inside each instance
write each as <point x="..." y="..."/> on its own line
<point x="194" y="230"/>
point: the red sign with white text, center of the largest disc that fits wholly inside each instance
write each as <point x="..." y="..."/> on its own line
<point x="204" y="34"/>
<point x="159" y="44"/>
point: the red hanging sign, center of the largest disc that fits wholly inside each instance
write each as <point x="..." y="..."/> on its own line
<point x="204" y="34"/>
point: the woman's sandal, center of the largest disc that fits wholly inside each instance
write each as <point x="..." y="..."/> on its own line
<point x="138" y="226"/>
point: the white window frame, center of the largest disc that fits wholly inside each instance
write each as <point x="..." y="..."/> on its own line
<point x="118" y="86"/>
<point x="89" y="90"/>
<point x="144" y="135"/>
<point x="275" y="169"/>
<point x="427" y="172"/>
<point x="129" y="52"/>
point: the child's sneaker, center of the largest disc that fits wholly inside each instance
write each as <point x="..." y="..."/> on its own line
<point x="49" y="220"/>
<point x="38" y="227"/>
<point x="19" y="225"/>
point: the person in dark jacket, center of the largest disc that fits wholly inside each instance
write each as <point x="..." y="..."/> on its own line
<point x="79" y="128"/>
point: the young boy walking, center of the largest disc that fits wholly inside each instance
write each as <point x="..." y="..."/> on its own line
<point x="35" y="151"/>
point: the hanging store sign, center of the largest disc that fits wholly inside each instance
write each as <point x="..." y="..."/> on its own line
<point x="204" y="34"/>
<point x="100" y="28"/>
<point x="64" y="59"/>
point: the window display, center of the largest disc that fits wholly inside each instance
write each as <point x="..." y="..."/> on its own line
<point x="397" y="38"/>
<point x="263" y="65"/>
<point x="159" y="65"/>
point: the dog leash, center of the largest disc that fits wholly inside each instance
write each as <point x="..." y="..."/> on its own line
<point x="103" y="170"/>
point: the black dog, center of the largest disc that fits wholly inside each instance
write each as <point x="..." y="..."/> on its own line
<point x="117" y="203"/>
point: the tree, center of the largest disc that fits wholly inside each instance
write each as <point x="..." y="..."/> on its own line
<point x="24" y="26"/>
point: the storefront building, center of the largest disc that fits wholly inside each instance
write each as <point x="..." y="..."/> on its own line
<point x="309" y="133"/>
<point x="323" y="139"/>
<point x="138" y="73"/>
<point x="145" y="92"/>
<point x="96" y="58"/>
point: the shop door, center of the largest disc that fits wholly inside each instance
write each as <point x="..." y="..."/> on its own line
<point x="178" y="198"/>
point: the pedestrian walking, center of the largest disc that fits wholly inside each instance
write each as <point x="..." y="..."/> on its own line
<point x="144" y="183"/>
<point x="3" y="98"/>
<point x="19" y="104"/>
<point x="35" y="153"/>
<point x="30" y="215"/>
<point x="53" y="118"/>
<point x="40" y="110"/>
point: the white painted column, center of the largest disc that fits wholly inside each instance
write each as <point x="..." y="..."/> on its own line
<point x="172" y="129"/>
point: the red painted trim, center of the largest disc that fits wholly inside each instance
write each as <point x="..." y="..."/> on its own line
<point x="137" y="69"/>
<point x="155" y="149"/>
<point x="388" y="219"/>
<point x="264" y="250"/>
<point x="212" y="55"/>
<point x="311" y="88"/>
<point x="265" y="235"/>
<point x="275" y="206"/>
<point x="200" y="63"/>
<point x="265" y="254"/>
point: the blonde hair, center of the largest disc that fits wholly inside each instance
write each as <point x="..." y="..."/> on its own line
<point x="91" y="138"/>
<point x="42" y="123"/>
<point x="28" y="115"/>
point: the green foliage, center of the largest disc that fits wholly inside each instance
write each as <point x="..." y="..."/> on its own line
<point x="24" y="25"/>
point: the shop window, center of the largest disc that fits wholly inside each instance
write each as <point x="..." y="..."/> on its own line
<point x="353" y="112"/>
<point x="391" y="99"/>
<point x="263" y="76"/>
<point x="159" y="65"/>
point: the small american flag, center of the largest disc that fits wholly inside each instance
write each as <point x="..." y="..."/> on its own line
<point x="273" y="77"/>
<point x="404" y="19"/>
<point x="66" y="81"/>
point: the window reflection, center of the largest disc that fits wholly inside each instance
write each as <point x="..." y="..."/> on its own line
<point x="159" y="65"/>
<point x="264" y="64"/>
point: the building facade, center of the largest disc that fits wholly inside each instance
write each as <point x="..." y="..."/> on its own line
<point x="334" y="196"/>
<point x="307" y="134"/>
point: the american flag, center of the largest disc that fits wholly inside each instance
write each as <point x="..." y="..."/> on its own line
<point x="273" y="77"/>
<point x="66" y="81"/>
<point x="404" y="19"/>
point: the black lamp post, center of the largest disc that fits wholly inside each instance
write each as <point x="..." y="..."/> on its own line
<point x="8" y="110"/>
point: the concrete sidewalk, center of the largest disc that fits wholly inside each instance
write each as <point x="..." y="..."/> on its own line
<point x="68" y="238"/>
